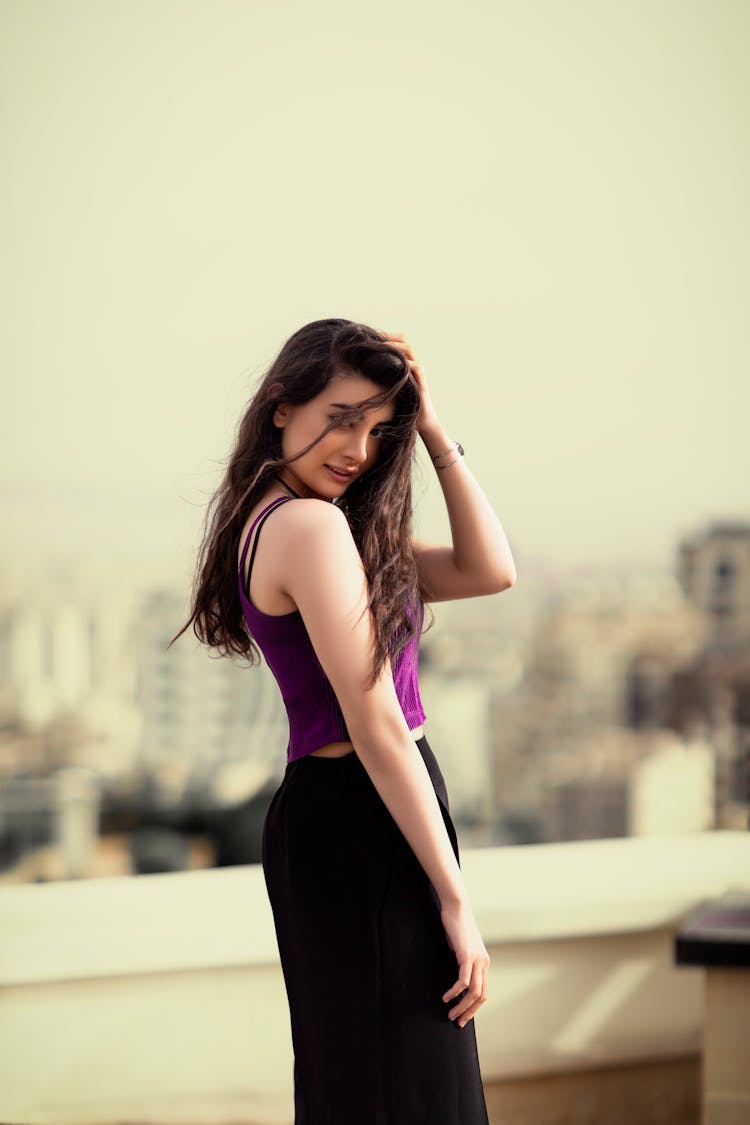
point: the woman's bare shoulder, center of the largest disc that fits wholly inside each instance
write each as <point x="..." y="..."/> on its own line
<point x="295" y="523"/>
<point x="316" y="553"/>
<point x="300" y="514"/>
<point x="312" y="517"/>
<point x="308" y="527"/>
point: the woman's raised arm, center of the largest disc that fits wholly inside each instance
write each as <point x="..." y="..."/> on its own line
<point x="479" y="560"/>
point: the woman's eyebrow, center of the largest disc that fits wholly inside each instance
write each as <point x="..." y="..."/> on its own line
<point x="360" y="411"/>
<point x="352" y="406"/>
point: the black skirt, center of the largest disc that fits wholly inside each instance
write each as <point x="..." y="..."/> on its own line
<point x="364" y="956"/>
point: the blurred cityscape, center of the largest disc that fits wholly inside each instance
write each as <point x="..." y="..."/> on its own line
<point x="591" y="708"/>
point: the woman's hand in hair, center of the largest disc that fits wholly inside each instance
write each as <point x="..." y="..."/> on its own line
<point x="427" y="413"/>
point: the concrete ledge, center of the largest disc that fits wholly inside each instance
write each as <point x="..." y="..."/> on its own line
<point x="101" y="928"/>
<point x="219" y="917"/>
<point x="160" y="999"/>
<point x="583" y="888"/>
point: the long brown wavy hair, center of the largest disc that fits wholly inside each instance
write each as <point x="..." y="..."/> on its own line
<point x="377" y="505"/>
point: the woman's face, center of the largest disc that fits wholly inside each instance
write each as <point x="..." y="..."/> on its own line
<point x="346" y="452"/>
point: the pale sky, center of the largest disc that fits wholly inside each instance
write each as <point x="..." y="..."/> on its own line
<point x="548" y="199"/>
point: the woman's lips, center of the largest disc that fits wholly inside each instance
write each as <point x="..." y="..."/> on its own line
<point x="340" y="474"/>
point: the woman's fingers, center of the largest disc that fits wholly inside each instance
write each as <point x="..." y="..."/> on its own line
<point x="474" y="991"/>
<point x="400" y="341"/>
<point x="471" y="1011"/>
<point x="470" y="990"/>
<point x="457" y="988"/>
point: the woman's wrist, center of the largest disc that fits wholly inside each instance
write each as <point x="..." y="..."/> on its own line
<point x="455" y="897"/>
<point x="436" y="439"/>
<point x="443" y="450"/>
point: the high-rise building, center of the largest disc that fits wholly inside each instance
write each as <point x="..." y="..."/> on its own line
<point x="714" y="571"/>
<point x="199" y="708"/>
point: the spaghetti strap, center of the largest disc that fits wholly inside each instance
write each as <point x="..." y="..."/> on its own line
<point x="262" y="516"/>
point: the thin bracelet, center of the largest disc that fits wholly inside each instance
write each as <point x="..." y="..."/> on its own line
<point x="441" y="467"/>
<point x="455" y="448"/>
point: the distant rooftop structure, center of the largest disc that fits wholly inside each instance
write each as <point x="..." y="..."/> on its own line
<point x="714" y="572"/>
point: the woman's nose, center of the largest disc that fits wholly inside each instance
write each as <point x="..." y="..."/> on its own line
<point x="356" y="445"/>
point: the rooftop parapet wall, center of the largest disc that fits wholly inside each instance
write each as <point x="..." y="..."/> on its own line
<point x="159" y="998"/>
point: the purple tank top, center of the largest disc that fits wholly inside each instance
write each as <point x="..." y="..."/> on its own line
<point x="315" y="717"/>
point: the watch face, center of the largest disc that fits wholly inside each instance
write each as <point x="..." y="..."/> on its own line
<point x="459" y="448"/>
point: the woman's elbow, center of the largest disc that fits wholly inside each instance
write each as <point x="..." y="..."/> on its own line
<point x="501" y="580"/>
<point x="376" y="730"/>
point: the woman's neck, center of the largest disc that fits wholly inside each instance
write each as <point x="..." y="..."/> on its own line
<point x="288" y="487"/>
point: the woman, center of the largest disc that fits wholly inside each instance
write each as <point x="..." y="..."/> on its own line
<point x="383" y="962"/>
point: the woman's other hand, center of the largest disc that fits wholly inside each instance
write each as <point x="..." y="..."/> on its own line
<point x="473" y="961"/>
<point x="427" y="413"/>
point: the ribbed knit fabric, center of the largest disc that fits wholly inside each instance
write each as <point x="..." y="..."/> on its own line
<point x="314" y="714"/>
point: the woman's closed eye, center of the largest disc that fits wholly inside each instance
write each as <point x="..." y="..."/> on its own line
<point x="346" y="421"/>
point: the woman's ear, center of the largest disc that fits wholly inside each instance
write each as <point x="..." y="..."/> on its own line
<point x="281" y="413"/>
